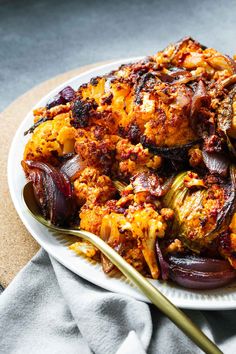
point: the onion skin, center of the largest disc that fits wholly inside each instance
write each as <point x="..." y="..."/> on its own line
<point x="68" y="93"/>
<point x="146" y="182"/>
<point x="60" y="179"/>
<point x="229" y="207"/>
<point x="163" y="264"/>
<point x="201" y="264"/>
<point x="193" y="279"/>
<point x="73" y="166"/>
<point x="64" y="96"/>
<point x="176" y="76"/>
<point x="176" y="153"/>
<point x="53" y="191"/>
<point x="200" y="99"/>
<point x="217" y="163"/>
<point x="55" y="101"/>
<point x="200" y="273"/>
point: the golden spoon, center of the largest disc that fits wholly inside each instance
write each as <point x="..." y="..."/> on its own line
<point x="152" y="293"/>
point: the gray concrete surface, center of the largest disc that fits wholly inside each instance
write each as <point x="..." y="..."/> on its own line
<point x="40" y="39"/>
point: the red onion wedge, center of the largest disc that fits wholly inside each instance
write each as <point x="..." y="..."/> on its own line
<point x="53" y="191"/>
<point x="146" y="182"/>
<point x="199" y="99"/>
<point x="201" y="264"/>
<point x="61" y="180"/>
<point x="200" y="273"/>
<point x="65" y="95"/>
<point x="217" y="163"/>
<point x="73" y="166"/>
<point x="175" y="153"/>
<point x="193" y="279"/>
<point x="163" y="264"/>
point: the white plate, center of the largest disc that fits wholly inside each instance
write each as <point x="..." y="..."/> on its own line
<point x="224" y="298"/>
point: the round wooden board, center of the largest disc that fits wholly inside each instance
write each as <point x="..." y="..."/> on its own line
<point x="17" y="246"/>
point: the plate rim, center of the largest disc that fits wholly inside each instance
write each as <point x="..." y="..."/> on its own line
<point x="24" y="215"/>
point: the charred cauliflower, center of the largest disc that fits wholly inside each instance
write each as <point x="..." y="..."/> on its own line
<point x="118" y="143"/>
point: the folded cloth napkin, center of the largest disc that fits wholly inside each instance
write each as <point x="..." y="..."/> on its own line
<point x="49" y="309"/>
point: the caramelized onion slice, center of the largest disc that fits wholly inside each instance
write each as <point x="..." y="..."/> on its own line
<point x="146" y="182"/>
<point x="73" y="166"/>
<point x="53" y="191"/>
<point x="67" y="94"/>
<point x="175" y="153"/>
<point x="200" y="98"/>
<point x="222" y="62"/>
<point x="199" y="272"/>
<point x="60" y="179"/>
<point x="216" y="163"/>
<point x="201" y="264"/>
<point x="193" y="279"/>
<point x="163" y="264"/>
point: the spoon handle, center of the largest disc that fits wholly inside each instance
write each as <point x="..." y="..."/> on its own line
<point x="160" y="301"/>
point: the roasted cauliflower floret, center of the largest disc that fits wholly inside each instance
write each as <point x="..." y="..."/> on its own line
<point x="135" y="158"/>
<point x="152" y="95"/>
<point x="141" y="223"/>
<point x="51" y="139"/>
<point x="91" y="217"/>
<point x="170" y="123"/>
<point x="158" y="111"/>
<point x="96" y="148"/>
<point x="120" y="141"/>
<point x="130" y="224"/>
<point x="91" y="186"/>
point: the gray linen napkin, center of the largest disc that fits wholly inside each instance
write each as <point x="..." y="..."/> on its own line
<point x="49" y="309"/>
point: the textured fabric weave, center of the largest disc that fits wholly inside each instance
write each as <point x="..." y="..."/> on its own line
<point x="48" y="309"/>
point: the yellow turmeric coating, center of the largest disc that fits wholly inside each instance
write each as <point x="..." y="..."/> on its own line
<point x="50" y="139"/>
<point x="141" y="223"/>
<point x="91" y="185"/>
<point x="134" y="158"/>
<point x="120" y="124"/>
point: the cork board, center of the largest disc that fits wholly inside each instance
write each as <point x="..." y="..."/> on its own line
<point x="17" y="246"/>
